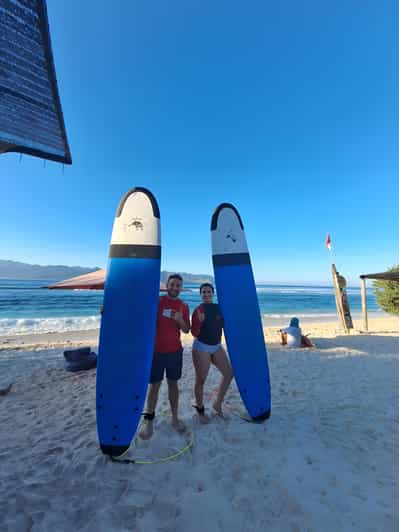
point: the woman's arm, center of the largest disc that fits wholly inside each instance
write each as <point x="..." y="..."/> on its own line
<point x="196" y="322"/>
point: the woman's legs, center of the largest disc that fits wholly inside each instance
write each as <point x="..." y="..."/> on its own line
<point x="202" y="362"/>
<point x="221" y="361"/>
<point x="306" y="342"/>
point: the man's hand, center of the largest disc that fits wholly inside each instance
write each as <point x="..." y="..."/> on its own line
<point x="178" y="317"/>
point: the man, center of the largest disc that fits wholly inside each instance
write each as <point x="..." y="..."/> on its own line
<point x="173" y="317"/>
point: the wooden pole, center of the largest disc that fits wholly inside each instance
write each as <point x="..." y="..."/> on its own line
<point x="364" y="304"/>
<point x="338" y="299"/>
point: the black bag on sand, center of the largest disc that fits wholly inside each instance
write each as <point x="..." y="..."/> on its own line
<point x="75" y="355"/>
<point x="80" y="359"/>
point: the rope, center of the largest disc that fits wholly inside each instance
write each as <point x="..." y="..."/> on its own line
<point x="242" y="416"/>
<point x="189" y="444"/>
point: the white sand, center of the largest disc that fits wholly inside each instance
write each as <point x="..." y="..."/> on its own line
<point x="326" y="460"/>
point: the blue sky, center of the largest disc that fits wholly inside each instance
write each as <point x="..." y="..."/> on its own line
<point x="288" y="109"/>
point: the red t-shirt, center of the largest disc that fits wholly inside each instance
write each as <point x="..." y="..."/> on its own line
<point x="167" y="338"/>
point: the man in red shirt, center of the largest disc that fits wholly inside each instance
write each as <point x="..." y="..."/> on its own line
<point x="173" y="317"/>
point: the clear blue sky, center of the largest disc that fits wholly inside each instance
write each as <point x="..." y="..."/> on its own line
<point x="288" y="109"/>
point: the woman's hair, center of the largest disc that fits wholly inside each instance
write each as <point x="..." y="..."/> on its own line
<point x="207" y="285"/>
<point x="294" y="322"/>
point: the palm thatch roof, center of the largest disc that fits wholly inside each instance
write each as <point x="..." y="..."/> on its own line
<point x="385" y="276"/>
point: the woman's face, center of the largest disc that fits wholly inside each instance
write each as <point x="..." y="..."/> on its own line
<point x="207" y="294"/>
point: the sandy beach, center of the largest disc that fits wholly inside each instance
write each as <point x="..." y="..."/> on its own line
<point x="326" y="460"/>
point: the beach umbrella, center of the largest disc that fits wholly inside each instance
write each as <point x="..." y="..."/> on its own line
<point x="90" y="281"/>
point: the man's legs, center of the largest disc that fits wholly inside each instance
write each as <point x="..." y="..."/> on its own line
<point x="173" y="374"/>
<point x="173" y="392"/>
<point x="147" y="431"/>
<point x="156" y="378"/>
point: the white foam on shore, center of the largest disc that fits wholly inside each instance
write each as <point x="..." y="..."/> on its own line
<point x="316" y="315"/>
<point x="9" y="326"/>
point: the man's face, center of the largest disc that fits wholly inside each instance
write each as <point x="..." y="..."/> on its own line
<point x="174" y="287"/>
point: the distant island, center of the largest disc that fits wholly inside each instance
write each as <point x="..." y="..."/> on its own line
<point x="10" y="269"/>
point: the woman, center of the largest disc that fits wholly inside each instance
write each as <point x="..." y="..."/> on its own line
<point x="292" y="336"/>
<point x="207" y="327"/>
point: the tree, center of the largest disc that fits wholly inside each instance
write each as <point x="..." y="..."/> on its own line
<point x="387" y="293"/>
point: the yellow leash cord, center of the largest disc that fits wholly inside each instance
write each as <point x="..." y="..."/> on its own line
<point x="187" y="447"/>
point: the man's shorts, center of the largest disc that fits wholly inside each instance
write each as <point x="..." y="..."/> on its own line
<point x="171" y="363"/>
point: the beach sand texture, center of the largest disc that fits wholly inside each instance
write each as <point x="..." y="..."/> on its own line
<point x="326" y="460"/>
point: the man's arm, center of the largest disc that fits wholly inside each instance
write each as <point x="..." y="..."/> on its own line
<point x="182" y="319"/>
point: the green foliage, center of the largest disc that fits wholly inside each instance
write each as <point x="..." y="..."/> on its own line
<point x="387" y="294"/>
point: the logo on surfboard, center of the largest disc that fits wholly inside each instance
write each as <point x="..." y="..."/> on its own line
<point x="232" y="236"/>
<point x="137" y="224"/>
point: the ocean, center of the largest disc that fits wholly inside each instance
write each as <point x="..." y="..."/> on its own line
<point x="26" y="307"/>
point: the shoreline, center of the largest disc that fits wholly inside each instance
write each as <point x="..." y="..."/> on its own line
<point x="90" y="337"/>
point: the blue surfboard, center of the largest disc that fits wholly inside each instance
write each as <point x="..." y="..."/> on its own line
<point x="238" y="301"/>
<point x="128" y="322"/>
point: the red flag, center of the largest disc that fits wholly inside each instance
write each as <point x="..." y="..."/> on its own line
<point x="328" y="242"/>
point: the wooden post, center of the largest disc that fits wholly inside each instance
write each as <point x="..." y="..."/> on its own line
<point x="364" y="304"/>
<point x="338" y="299"/>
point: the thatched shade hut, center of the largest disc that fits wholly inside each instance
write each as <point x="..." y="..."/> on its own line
<point x="385" y="276"/>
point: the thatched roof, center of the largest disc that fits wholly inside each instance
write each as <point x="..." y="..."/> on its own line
<point x="30" y="108"/>
<point x="386" y="276"/>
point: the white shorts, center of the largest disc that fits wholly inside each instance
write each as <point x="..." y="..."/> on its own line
<point x="200" y="346"/>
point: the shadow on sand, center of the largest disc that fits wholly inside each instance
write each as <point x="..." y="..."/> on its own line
<point x="367" y="343"/>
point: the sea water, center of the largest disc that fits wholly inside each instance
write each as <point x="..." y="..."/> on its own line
<point x="27" y="307"/>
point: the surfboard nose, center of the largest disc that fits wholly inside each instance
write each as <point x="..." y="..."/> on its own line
<point x="137" y="223"/>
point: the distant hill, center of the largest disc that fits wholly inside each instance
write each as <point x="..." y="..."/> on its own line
<point x="10" y="269"/>
<point x="189" y="277"/>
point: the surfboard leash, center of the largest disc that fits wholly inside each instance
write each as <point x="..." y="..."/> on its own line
<point x="242" y="416"/>
<point x="157" y="460"/>
<point x="189" y="444"/>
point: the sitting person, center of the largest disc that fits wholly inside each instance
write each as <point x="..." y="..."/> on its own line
<point x="292" y="336"/>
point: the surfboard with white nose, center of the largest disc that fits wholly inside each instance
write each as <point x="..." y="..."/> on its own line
<point x="238" y="301"/>
<point x="128" y="321"/>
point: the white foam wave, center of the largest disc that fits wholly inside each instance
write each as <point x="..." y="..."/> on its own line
<point x="304" y="290"/>
<point x="305" y="315"/>
<point x="9" y="326"/>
